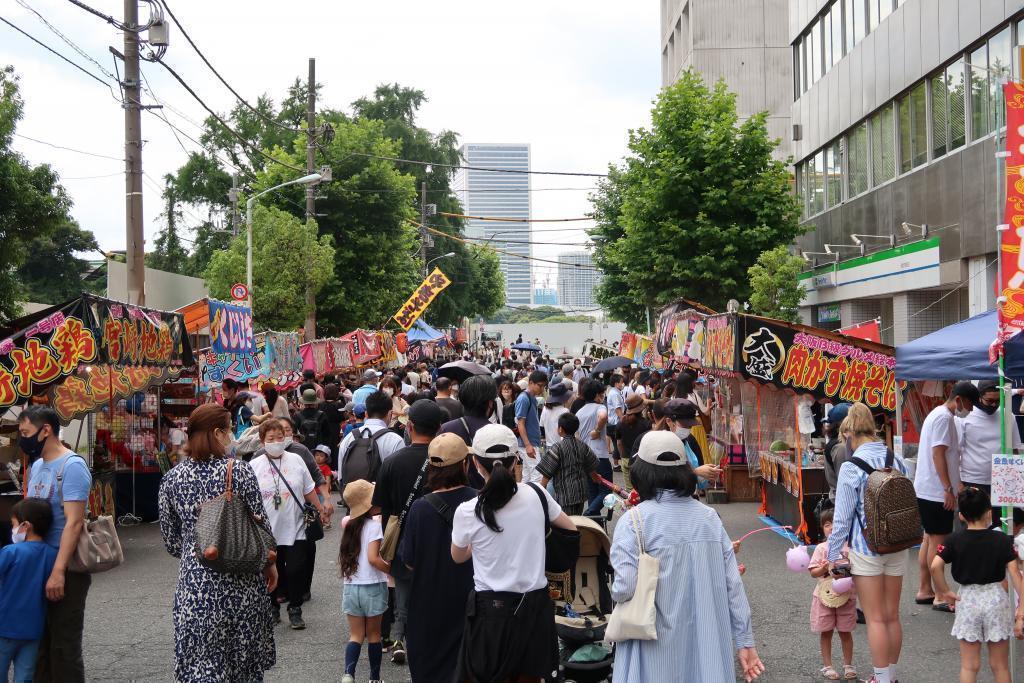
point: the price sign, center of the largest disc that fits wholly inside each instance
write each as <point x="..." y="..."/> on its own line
<point x="239" y="292"/>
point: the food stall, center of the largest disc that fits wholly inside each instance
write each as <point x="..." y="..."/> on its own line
<point x="774" y="382"/>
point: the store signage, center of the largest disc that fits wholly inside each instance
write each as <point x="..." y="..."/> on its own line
<point x="828" y="313"/>
<point x="277" y="359"/>
<point x="230" y="328"/>
<point x="720" y="343"/>
<point x="824" y="280"/>
<point x="1007" y="480"/>
<point x="428" y="290"/>
<point x="104" y="384"/>
<point x="680" y="331"/>
<point x="1011" y="236"/>
<point x="774" y="353"/>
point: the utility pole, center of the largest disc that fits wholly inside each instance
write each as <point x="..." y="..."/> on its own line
<point x="310" y="328"/>
<point x="233" y="196"/>
<point x="135" y="250"/>
<point x="423" y="227"/>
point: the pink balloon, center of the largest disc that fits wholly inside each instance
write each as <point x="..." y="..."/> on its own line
<point x="797" y="559"/>
<point x="842" y="585"/>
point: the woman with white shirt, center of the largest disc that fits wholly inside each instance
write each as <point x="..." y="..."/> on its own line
<point x="283" y="477"/>
<point x="558" y="395"/>
<point x="510" y="618"/>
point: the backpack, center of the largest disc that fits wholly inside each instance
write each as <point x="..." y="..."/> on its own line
<point x="309" y="429"/>
<point x="890" y="508"/>
<point x="362" y="459"/>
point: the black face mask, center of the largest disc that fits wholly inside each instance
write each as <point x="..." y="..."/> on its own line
<point x="988" y="410"/>
<point x="32" y="446"/>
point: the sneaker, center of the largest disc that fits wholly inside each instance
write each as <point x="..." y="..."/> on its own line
<point x="398" y="652"/>
<point x="295" y="618"/>
<point x="348" y="678"/>
<point x="387" y="644"/>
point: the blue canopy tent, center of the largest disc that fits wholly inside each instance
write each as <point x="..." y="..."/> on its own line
<point x="959" y="351"/>
<point x="422" y="332"/>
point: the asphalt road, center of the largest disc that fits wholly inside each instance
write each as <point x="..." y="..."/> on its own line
<point x="129" y="634"/>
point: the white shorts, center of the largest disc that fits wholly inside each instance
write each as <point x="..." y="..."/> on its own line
<point x="893" y="564"/>
<point x="983" y="614"/>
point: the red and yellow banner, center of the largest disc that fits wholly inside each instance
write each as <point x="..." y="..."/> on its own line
<point x="421" y="298"/>
<point x="1011" y="285"/>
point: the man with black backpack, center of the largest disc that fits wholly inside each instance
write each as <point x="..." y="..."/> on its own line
<point x="364" y="449"/>
<point x="309" y="420"/>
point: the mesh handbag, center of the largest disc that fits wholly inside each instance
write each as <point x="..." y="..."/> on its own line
<point x="229" y="539"/>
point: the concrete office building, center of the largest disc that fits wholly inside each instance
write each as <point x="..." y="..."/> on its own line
<point x="897" y="117"/>
<point x="744" y="42"/>
<point x="500" y="195"/>
<point x="577" y="280"/>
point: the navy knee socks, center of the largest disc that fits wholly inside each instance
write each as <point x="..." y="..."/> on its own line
<point x="375" y="650"/>
<point x="352" y="657"/>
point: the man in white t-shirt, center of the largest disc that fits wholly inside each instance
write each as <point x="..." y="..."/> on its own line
<point x="593" y="417"/>
<point x="937" y="480"/>
<point x="980" y="438"/>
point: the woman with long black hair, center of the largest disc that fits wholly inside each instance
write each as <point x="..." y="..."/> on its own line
<point x="510" y="619"/>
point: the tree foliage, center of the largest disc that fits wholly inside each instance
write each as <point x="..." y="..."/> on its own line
<point x="540" y="314"/>
<point x="775" y="290"/>
<point x="38" y="236"/>
<point x="288" y="257"/>
<point x="689" y="210"/>
<point x="169" y="254"/>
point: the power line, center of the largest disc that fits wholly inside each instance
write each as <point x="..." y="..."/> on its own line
<point x="105" y="17"/>
<point x="216" y="73"/>
<point x="477" y="168"/>
<point x="500" y="251"/>
<point x="67" y="149"/>
<point x="70" y="43"/>
<point x="513" y="220"/>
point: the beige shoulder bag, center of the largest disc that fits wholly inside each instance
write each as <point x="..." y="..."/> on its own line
<point x="636" y="618"/>
<point x="99" y="548"/>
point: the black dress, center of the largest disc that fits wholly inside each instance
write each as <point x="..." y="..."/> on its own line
<point x="440" y="588"/>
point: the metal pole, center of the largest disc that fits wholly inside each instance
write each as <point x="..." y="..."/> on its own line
<point x="423" y="226"/>
<point x="248" y="247"/>
<point x="233" y="195"/>
<point x="135" y="250"/>
<point x="310" y="327"/>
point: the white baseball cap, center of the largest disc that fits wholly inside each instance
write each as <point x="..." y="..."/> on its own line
<point x="664" y="449"/>
<point x="495" y="441"/>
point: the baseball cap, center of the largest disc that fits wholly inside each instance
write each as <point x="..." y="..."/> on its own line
<point x="358" y="497"/>
<point x="426" y="416"/>
<point x="323" y="448"/>
<point x="664" y="449"/>
<point x="349" y="407"/>
<point x="837" y="414"/>
<point x="635" y="404"/>
<point x="359" y="409"/>
<point x="682" y="411"/>
<point x="370" y="373"/>
<point x="558" y="393"/>
<point x="494" y="441"/>
<point x="447" y="449"/>
<point x="309" y="397"/>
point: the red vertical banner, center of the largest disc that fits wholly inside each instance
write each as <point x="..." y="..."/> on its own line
<point x="1011" y="254"/>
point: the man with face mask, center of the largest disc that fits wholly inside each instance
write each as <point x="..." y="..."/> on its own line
<point x="980" y="437"/>
<point x="937" y="481"/>
<point x="62" y="478"/>
<point x="681" y="417"/>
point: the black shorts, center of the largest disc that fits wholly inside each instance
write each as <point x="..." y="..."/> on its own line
<point x="613" y="431"/>
<point x="997" y="513"/>
<point x="935" y="519"/>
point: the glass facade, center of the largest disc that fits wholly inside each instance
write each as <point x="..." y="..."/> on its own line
<point x="577" y="280"/>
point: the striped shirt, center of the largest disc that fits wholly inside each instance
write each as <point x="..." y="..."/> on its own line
<point x="702" y="608"/>
<point x="568" y="465"/>
<point x="849" y="520"/>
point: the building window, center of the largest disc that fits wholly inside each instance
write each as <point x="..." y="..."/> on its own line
<point x="814" y="53"/>
<point x="884" y="9"/>
<point x="834" y="168"/>
<point x="913" y="129"/>
<point x="872" y="15"/>
<point x="956" y="111"/>
<point x="817" y="183"/>
<point x="797" y="91"/>
<point x="849" y="25"/>
<point x="981" y="103"/>
<point x="1000" y="60"/>
<point x="940" y="132"/>
<point x="805" y="74"/>
<point x="857" y="159"/>
<point x="826" y="39"/>
<point x="801" y="190"/>
<point x="883" y="146"/>
<point x="860" y="14"/>
<point x="836" y="14"/>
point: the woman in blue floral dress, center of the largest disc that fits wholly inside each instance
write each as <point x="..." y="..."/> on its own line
<point x="223" y="629"/>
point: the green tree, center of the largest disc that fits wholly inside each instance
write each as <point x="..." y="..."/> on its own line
<point x="691" y="207"/>
<point x="540" y="314"/>
<point x="169" y="254"/>
<point x="37" y="234"/>
<point x="775" y="290"/>
<point x="288" y="257"/>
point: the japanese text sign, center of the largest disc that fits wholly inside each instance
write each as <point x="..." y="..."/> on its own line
<point x="1007" y="480"/>
<point x="1011" y="240"/>
<point x="231" y="328"/>
<point x="412" y="309"/>
<point x="720" y="343"/>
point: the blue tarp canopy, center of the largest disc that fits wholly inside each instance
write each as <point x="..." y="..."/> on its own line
<point x="959" y="351"/>
<point x="422" y="332"/>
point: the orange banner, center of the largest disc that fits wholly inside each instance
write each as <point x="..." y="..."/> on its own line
<point x="1011" y="255"/>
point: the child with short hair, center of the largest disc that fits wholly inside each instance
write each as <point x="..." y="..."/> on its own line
<point x="572" y="465"/>
<point x="25" y="565"/>
<point x="321" y="455"/>
<point x="980" y="558"/>
<point x="831" y="611"/>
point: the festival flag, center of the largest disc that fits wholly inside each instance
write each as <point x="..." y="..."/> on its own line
<point x="428" y="290"/>
<point x="1011" y="239"/>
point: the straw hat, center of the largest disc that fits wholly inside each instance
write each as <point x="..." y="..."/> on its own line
<point x="358" y="497"/>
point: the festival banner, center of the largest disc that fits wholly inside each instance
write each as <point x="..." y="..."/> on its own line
<point x="230" y="328"/>
<point x="720" y="344"/>
<point x="1007" y="480"/>
<point x="643" y="353"/>
<point x="869" y="331"/>
<point x="101" y="385"/>
<point x="340" y="354"/>
<point x="282" y="358"/>
<point x="627" y="345"/>
<point x="365" y="347"/>
<point x="130" y="335"/>
<point x="428" y="290"/>
<point x="388" y="348"/>
<point x="680" y="331"/>
<point x="789" y="358"/>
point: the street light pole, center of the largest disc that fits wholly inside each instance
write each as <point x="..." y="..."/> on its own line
<point x="305" y="180"/>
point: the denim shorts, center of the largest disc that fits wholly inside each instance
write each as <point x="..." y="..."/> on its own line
<point x="365" y="599"/>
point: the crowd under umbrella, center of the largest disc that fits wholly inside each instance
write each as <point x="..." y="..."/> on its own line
<point x="526" y="346"/>
<point x="609" y="364"/>
<point x="461" y="370"/>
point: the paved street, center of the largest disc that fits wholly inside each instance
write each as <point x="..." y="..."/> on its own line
<point x="129" y="635"/>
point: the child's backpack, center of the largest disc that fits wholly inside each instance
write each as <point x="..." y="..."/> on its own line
<point x="890" y="508"/>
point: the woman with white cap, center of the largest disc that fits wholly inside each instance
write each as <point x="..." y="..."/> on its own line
<point x="696" y="627"/>
<point x="510" y="619"/>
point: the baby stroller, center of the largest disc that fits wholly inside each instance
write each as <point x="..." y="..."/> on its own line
<point x="581" y="615"/>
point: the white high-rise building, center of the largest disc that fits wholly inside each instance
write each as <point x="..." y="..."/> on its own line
<point x="500" y="194"/>
<point x="577" y="280"/>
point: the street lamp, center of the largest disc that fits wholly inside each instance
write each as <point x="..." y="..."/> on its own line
<point x="437" y="258"/>
<point x="304" y="180"/>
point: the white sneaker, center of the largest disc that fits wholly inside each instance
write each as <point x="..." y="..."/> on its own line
<point x="348" y="678"/>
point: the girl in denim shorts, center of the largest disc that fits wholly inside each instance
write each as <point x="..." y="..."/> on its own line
<point x="366" y="579"/>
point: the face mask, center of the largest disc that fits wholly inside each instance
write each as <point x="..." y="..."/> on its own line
<point x="288" y="441"/>
<point x="683" y="432"/>
<point x="988" y="410"/>
<point x="18" y="536"/>
<point x="960" y="412"/>
<point x="274" y="449"/>
<point x="390" y="392"/>
<point x="32" y="446"/>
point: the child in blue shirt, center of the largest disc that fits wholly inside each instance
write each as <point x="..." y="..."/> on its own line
<point x="25" y="565"/>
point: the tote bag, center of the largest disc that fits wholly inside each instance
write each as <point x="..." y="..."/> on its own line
<point x="635" y="618"/>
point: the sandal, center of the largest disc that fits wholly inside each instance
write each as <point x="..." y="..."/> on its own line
<point x="849" y="672"/>
<point x="942" y="607"/>
<point x="829" y="673"/>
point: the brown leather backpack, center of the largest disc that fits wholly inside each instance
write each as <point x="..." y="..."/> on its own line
<point x="890" y="508"/>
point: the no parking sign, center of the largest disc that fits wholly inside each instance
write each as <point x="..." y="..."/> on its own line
<point x="239" y="292"/>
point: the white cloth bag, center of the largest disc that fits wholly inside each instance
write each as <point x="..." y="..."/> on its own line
<point x="636" y="618"/>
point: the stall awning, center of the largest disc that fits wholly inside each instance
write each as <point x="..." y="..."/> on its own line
<point x="959" y="351"/>
<point x="422" y="332"/>
<point x="197" y="316"/>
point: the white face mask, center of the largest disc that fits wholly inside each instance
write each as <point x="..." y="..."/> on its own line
<point x="683" y="432"/>
<point x="390" y="392"/>
<point x="960" y="412"/>
<point x="274" y="449"/>
<point x="19" y="536"/>
<point x="288" y="441"/>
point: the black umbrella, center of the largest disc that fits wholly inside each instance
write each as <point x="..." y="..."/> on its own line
<point x="609" y="364"/>
<point x="526" y="346"/>
<point x="461" y="370"/>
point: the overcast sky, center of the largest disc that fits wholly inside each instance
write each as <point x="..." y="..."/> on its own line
<point x="569" y="77"/>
